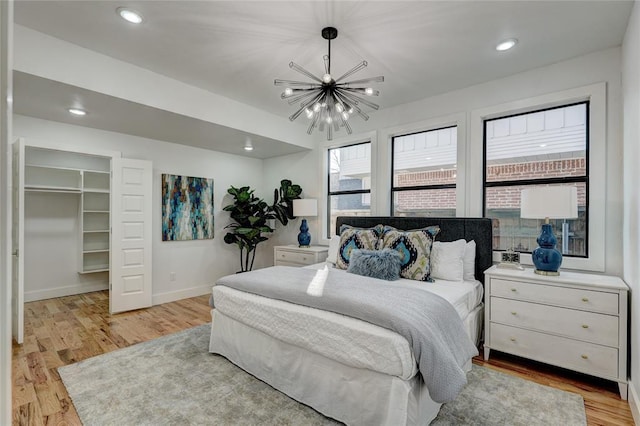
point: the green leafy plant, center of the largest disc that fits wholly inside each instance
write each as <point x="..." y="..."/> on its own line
<point x="251" y="214"/>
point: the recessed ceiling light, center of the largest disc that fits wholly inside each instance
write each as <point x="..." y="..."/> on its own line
<point x="506" y="45"/>
<point x="76" y="111"/>
<point x="542" y="145"/>
<point x="129" y="15"/>
<point x="248" y="146"/>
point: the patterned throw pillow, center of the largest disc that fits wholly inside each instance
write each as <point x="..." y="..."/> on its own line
<point x="415" y="249"/>
<point x="356" y="238"/>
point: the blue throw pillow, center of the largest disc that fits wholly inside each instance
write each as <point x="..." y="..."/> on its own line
<point x="383" y="264"/>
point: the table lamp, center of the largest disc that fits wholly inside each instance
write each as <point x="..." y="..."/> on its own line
<point x="305" y="207"/>
<point x="548" y="202"/>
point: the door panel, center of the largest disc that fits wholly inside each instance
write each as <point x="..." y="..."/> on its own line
<point x="130" y="273"/>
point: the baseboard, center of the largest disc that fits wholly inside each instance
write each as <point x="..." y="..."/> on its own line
<point x="634" y="402"/>
<point x="31" y="296"/>
<point x="172" y="296"/>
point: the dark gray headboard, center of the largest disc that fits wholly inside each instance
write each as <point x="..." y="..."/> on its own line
<point x="451" y="229"/>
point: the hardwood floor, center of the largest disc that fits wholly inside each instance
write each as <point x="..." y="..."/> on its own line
<point x="69" y="329"/>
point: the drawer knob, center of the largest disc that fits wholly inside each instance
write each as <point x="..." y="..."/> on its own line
<point x="585" y="326"/>
<point x="513" y="339"/>
<point x="304" y="258"/>
<point x="514" y="290"/>
<point x="514" y="313"/>
<point x="584" y="357"/>
<point x="585" y="299"/>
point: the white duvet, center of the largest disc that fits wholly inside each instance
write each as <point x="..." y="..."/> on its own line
<point x="347" y="340"/>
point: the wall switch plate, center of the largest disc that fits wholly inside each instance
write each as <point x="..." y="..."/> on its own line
<point x="172" y="276"/>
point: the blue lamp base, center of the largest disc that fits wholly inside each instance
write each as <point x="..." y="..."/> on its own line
<point x="304" y="237"/>
<point x="547" y="258"/>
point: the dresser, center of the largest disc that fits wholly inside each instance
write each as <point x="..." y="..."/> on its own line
<point x="575" y="320"/>
<point x="293" y="255"/>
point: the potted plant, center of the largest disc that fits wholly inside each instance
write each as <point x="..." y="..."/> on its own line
<point x="251" y="214"/>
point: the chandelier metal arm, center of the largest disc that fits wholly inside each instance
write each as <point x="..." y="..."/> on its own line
<point x="294" y="99"/>
<point x="357" y="99"/>
<point x="303" y="71"/>
<point x="353" y="70"/>
<point x="378" y="79"/>
<point x="367" y="91"/>
<point x="309" y="85"/>
<point x="296" y="114"/>
<point x="353" y="104"/>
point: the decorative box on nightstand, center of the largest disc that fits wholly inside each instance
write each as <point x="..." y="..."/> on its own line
<point x="575" y="320"/>
<point x="299" y="256"/>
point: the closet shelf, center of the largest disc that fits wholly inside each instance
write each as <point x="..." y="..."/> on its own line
<point x="96" y="268"/>
<point x="94" y="231"/>
<point x="96" y="211"/>
<point x="73" y="169"/>
<point x="96" y="190"/>
<point x="44" y="188"/>
<point x="96" y="251"/>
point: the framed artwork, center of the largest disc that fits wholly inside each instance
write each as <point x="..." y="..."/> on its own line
<point x="187" y="208"/>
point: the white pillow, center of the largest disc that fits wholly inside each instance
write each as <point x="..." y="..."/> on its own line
<point x="334" y="247"/>
<point x="446" y="260"/>
<point x="469" y="261"/>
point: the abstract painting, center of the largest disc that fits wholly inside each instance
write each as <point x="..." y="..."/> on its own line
<point x="187" y="208"/>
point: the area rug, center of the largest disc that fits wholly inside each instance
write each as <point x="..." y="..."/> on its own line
<point x="173" y="380"/>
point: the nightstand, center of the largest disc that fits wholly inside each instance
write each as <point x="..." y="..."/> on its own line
<point x="575" y="320"/>
<point x="293" y="255"/>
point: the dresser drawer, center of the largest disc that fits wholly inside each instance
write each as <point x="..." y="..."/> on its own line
<point x="289" y="257"/>
<point x="589" y="300"/>
<point x="580" y="325"/>
<point x="579" y="356"/>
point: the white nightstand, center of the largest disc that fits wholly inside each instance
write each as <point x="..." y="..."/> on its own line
<point x="293" y="255"/>
<point x="575" y="320"/>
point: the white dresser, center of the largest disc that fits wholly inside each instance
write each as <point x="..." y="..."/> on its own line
<point x="575" y="320"/>
<point x="293" y="255"/>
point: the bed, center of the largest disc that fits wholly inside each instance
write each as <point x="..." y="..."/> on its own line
<point x="347" y="368"/>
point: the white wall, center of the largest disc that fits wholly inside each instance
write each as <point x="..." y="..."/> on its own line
<point x="197" y="264"/>
<point x="631" y="219"/>
<point x="603" y="66"/>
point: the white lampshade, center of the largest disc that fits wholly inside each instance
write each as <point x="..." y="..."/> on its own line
<point x="553" y="202"/>
<point x="305" y="207"/>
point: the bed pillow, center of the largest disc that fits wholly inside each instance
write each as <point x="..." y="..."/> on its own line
<point x="382" y="264"/>
<point x="469" y="261"/>
<point x="356" y="238"/>
<point x="334" y="246"/>
<point x="415" y="250"/>
<point x="447" y="260"/>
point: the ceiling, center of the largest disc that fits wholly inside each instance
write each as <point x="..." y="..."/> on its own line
<point x="237" y="48"/>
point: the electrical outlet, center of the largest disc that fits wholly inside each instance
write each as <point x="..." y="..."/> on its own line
<point x="172" y="276"/>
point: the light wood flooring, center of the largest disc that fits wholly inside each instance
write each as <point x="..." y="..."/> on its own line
<point x="69" y="329"/>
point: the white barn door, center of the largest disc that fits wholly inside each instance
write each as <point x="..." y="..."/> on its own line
<point x="17" y="240"/>
<point x="130" y="272"/>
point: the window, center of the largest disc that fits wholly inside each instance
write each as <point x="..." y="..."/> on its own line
<point x="539" y="148"/>
<point x="349" y="183"/>
<point x="424" y="173"/>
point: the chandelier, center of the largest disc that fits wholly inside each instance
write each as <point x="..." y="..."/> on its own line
<point x="329" y="102"/>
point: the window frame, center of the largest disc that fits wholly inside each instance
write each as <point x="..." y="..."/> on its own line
<point x="395" y="189"/>
<point x="541" y="181"/>
<point x="328" y="232"/>
<point x="596" y="94"/>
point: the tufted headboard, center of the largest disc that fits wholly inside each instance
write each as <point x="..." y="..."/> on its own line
<point x="451" y="229"/>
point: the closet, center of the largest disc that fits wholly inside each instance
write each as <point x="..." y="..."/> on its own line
<point x="81" y="223"/>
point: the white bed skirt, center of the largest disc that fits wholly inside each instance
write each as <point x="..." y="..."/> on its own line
<point x="352" y="395"/>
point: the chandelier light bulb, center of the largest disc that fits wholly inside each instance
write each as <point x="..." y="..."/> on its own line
<point x="345" y="115"/>
<point x="316" y="107"/>
<point x="339" y="108"/>
<point x="327" y="78"/>
<point x="308" y="112"/>
<point x="288" y="91"/>
<point x="368" y="91"/>
<point x="329" y="120"/>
